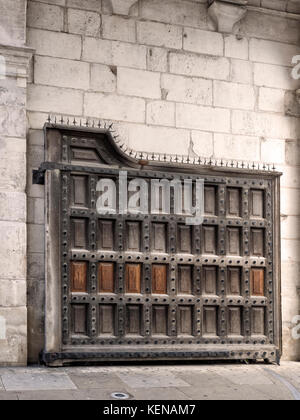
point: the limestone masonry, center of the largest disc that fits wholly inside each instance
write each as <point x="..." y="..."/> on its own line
<point x="171" y="76"/>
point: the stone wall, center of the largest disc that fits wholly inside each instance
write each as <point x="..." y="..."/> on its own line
<point x="169" y="81"/>
<point x="13" y="73"/>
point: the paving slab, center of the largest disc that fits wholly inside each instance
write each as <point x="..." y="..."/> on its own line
<point x="163" y="394"/>
<point x="46" y="395"/>
<point x="99" y="394"/>
<point x="151" y="380"/>
<point x="203" y="378"/>
<point x="223" y="393"/>
<point x="100" y="380"/>
<point x="245" y="376"/>
<point x="36" y="381"/>
<point x="7" y="396"/>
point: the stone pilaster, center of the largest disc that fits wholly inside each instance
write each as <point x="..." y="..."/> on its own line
<point x="14" y="64"/>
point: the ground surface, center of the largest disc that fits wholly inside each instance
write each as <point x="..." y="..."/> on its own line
<point x="153" y="382"/>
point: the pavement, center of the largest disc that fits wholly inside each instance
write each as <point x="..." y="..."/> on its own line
<point x="153" y="382"/>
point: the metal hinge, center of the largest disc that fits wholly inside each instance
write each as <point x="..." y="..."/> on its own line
<point x="38" y="175"/>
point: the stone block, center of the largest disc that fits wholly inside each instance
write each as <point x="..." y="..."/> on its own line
<point x="35" y="210"/>
<point x="54" y="44"/>
<point x="160" y="113"/>
<point x="241" y="71"/>
<point x="236" y="47"/>
<point x="265" y="125"/>
<point x="54" y="100"/>
<point x="292" y="152"/>
<point x="13" y="22"/>
<point x="290" y="177"/>
<point x="292" y="104"/>
<point x="159" y="34"/>
<point x="14" y="346"/>
<point x="61" y="73"/>
<point x="290" y="227"/>
<point x="45" y="16"/>
<point x="233" y="95"/>
<point x="12" y="293"/>
<point x="36" y="138"/>
<point x="202" y="144"/>
<point x="202" y="118"/>
<point x="176" y="12"/>
<point x="129" y="55"/>
<point x="11" y="94"/>
<point x="187" y="89"/>
<point x="36" y="237"/>
<point x="203" y="42"/>
<point x="271" y="100"/>
<point x="273" y="151"/>
<point x="13" y="250"/>
<point x="200" y="66"/>
<point x="103" y="78"/>
<point x="272" y="52"/>
<point x="293" y="6"/>
<point x="12" y="121"/>
<point x="86" y="4"/>
<point x="290" y="250"/>
<point x="120" y="7"/>
<point x="84" y="22"/>
<point x="13" y="206"/>
<point x="36" y="265"/>
<point x="157" y="59"/>
<point x="290" y="202"/>
<point x="117" y="28"/>
<point x="12" y="168"/>
<point x="114" y="107"/>
<point x="97" y="51"/>
<point x="141" y="83"/>
<point x="274" y="76"/>
<point x="227" y="146"/>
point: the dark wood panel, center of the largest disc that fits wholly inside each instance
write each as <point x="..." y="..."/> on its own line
<point x="106" y="235"/>
<point x="234" y="202"/>
<point x="159" y="237"/>
<point x="209" y="280"/>
<point x="107" y="318"/>
<point x="159" y="279"/>
<point x="234" y="281"/>
<point x="185" y="279"/>
<point x="209" y="243"/>
<point x="133" y="278"/>
<point x="159" y="320"/>
<point x="184" y="239"/>
<point x="210" y="320"/>
<point x="106" y="278"/>
<point x="79" y="319"/>
<point x="80" y="190"/>
<point x="257" y="282"/>
<point x="78" y="277"/>
<point x="185" y="320"/>
<point x="79" y="233"/>
<point x="257" y="242"/>
<point x="133" y="237"/>
<point x="233" y="241"/>
<point x="133" y="319"/>
<point x="210" y="200"/>
<point x="234" y="321"/>
<point x="257" y="203"/>
<point x="258" y="321"/>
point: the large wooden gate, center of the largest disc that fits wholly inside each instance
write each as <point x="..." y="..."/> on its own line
<point x="149" y="286"/>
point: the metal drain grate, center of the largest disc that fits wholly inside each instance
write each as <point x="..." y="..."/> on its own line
<point x="119" y="395"/>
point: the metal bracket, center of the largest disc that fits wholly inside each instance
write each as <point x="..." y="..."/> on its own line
<point x="38" y="176"/>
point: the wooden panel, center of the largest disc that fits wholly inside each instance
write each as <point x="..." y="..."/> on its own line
<point x="185" y="279"/>
<point x="233" y="202"/>
<point x="234" y="321"/>
<point x="79" y="233"/>
<point x="185" y="320"/>
<point x="184" y="239"/>
<point x="79" y="319"/>
<point x="257" y="203"/>
<point x="107" y="316"/>
<point x="159" y="279"/>
<point x="78" y="277"/>
<point x="106" y="278"/>
<point x="210" y="320"/>
<point x="133" y="278"/>
<point x="79" y="188"/>
<point x="209" y="240"/>
<point x="233" y="241"/>
<point x="159" y="237"/>
<point x="234" y="281"/>
<point x="209" y="280"/>
<point x="210" y="200"/>
<point x="106" y="235"/>
<point x="257" y="282"/>
<point x="258" y="321"/>
<point x="133" y="236"/>
<point x="257" y="242"/>
<point x="159" y="320"/>
<point x="133" y="319"/>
